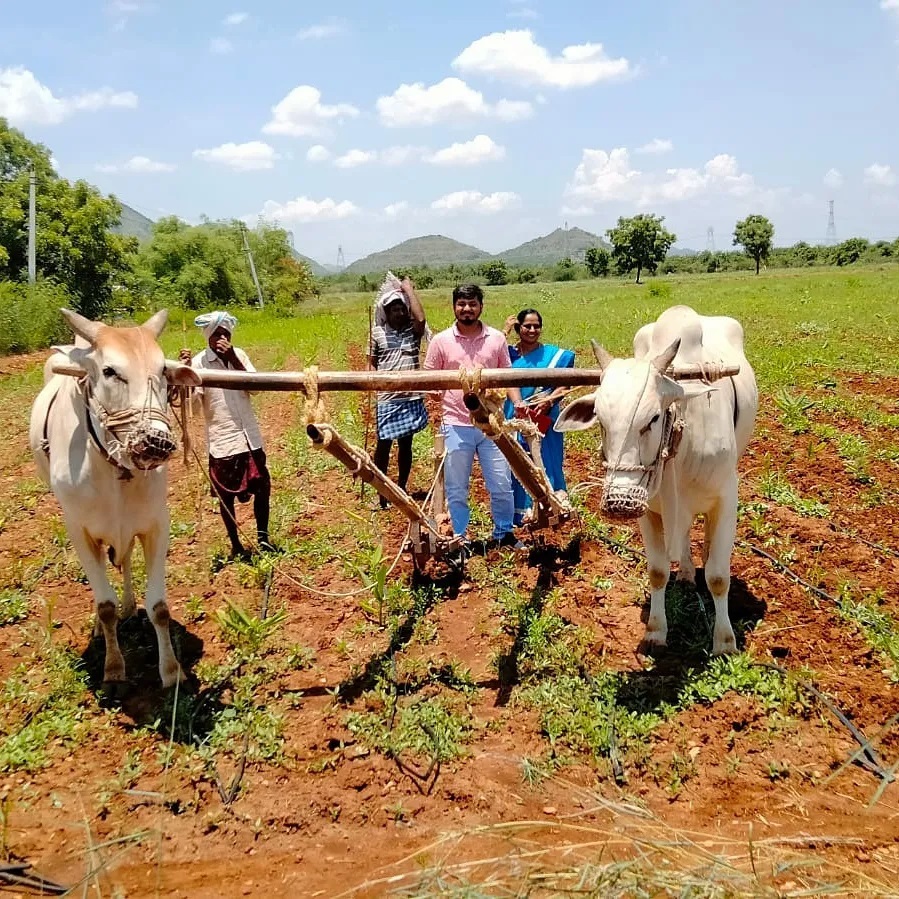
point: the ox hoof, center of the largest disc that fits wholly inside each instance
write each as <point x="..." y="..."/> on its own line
<point x="170" y="678"/>
<point x="654" y="642"/>
<point x="115" y="689"/>
<point x="724" y="646"/>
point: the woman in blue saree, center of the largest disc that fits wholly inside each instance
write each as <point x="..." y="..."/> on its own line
<point x="543" y="402"/>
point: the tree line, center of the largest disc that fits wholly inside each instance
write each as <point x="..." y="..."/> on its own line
<point x="84" y="264"/>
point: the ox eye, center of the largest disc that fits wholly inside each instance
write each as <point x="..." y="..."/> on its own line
<point x="651" y="422"/>
<point x="110" y="372"/>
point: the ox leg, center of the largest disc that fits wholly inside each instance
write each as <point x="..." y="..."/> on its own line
<point x="659" y="568"/>
<point x="155" y="544"/>
<point x="686" y="571"/>
<point x="128" y="605"/>
<point x="93" y="560"/>
<point x="721" y="530"/>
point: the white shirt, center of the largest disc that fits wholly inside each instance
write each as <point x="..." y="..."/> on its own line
<point x="231" y="425"/>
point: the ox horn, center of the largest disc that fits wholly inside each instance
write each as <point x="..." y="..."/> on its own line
<point x="156" y="323"/>
<point x="603" y="356"/>
<point x="82" y="326"/>
<point x="665" y="358"/>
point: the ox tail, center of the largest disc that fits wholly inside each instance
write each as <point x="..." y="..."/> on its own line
<point x="111" y="555"/>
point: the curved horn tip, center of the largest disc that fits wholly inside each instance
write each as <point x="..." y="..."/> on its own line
<point x="603" y="356"/>
<point x="666" y="357"/>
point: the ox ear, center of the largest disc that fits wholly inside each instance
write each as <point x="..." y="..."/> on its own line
<point x="82" y="326"/>
<point x="578" y="415"/>
<point x="603" y="356"/>
<point x="156" y="323"/>
<point x="181" y="375"/>
<point x="665" y="358"/>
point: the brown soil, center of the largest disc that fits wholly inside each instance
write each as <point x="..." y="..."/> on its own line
<point x="334" y="815"/>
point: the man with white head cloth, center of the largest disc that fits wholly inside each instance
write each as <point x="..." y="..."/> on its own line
<point x="237" y="466"/>
<point x="395" y="345"/>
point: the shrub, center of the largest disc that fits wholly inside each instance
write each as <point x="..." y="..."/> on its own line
<point x="29" y="316"/>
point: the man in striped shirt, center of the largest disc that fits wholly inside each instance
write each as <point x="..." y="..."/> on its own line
<point x="395" y="346"/>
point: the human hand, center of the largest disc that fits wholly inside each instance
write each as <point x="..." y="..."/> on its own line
<point x="520" y="410"/>
<point x="543" y="407"/>
<point x="223" y="346"/>
<point x="511" y="321"/>
<point x="185" y="356"/>
<point x="406" y="285"/>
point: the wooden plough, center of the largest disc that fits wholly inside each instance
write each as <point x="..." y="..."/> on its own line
<point x="426" y="541"/>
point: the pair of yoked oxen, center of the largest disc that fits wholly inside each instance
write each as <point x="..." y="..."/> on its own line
<point x="670" y="450"/>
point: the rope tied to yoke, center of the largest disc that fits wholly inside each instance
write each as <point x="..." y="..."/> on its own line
<point x="314" y="410"/>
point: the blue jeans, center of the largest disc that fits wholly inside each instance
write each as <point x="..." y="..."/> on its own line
<point x="462" y="444"/>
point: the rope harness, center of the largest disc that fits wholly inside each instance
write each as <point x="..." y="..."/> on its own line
<point x="127" y="434"/>
<point x="630" y="501"/>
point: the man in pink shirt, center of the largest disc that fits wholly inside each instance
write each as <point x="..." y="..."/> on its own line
<point x="469" y="344"/>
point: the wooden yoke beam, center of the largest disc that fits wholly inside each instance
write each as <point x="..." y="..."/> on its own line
<point x="423" y="380"/>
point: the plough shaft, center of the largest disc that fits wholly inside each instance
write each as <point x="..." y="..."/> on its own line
<point x="426" y="540"/>
<point x="549" y="509"/>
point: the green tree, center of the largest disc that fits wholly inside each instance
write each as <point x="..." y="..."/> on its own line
<point x="597" y="260"/>
<point x="495" y="272"/>
<point x="755" y="234"/>
<point x="849" y="251"/>
<point x="74" y="244"/>
<point x="641" y="242"/>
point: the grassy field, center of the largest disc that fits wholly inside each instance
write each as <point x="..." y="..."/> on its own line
<point x="795" y="320"/>
<point x="503" y="738"/>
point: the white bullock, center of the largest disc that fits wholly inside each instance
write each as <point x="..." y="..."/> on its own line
<point x="670" y="450"/>
<point x="101" y="442"/>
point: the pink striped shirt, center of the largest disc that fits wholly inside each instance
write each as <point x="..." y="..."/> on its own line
<point x="450" y="350"/>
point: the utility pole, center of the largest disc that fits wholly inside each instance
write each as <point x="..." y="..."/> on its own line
<point x="32" y="227"/>
<point x="246" y="246"/>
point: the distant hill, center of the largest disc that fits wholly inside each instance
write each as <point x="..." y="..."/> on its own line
<point x="682" y="251"/>
<point x="550" y="248"/>
<point x="316" y="268"/>
<point x="434" y="250"/>
<point x="133" y="224"/>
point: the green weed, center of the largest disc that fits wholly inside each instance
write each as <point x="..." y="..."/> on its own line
<point x="13" y="606"/>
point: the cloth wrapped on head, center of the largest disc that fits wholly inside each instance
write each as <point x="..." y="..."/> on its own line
<point x="390" y="291"/>
<point x="209" y="321"/>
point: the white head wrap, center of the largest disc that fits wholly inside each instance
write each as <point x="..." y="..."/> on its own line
<point x="209" y="321"/>
<point x="389" y="292"/>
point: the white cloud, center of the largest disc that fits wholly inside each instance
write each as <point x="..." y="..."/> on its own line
<point x="235" y="18"/>
<point x="247" y="157"/>
<point x="519" y="11"/>
<point x="656" y="147"/>
<point x="318" y="153"/>
<point x="395" y="210"/>
<point x="881" y="175"/>
<point x="303" y="209"/>
<point x="26" y="101"/>
<point x="353" y="158"/>
<point x="473" y="152"/>
<point x="401" y="155"/>
<point x="322" y="30"/>
<point x="301" y="113"/>
<point x="603" y="177"/>
<point x="475" y="201"/>
<point x="833" y="178"/>
<point x="515" y="56"/>
<point x="448" y="100"/>
<point x="139" y="165"/>
<point x="220" y="45"/>
<point x="890" y="6"/>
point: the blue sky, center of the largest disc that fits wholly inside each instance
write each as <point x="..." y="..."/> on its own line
<point x="363" y="124"/>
